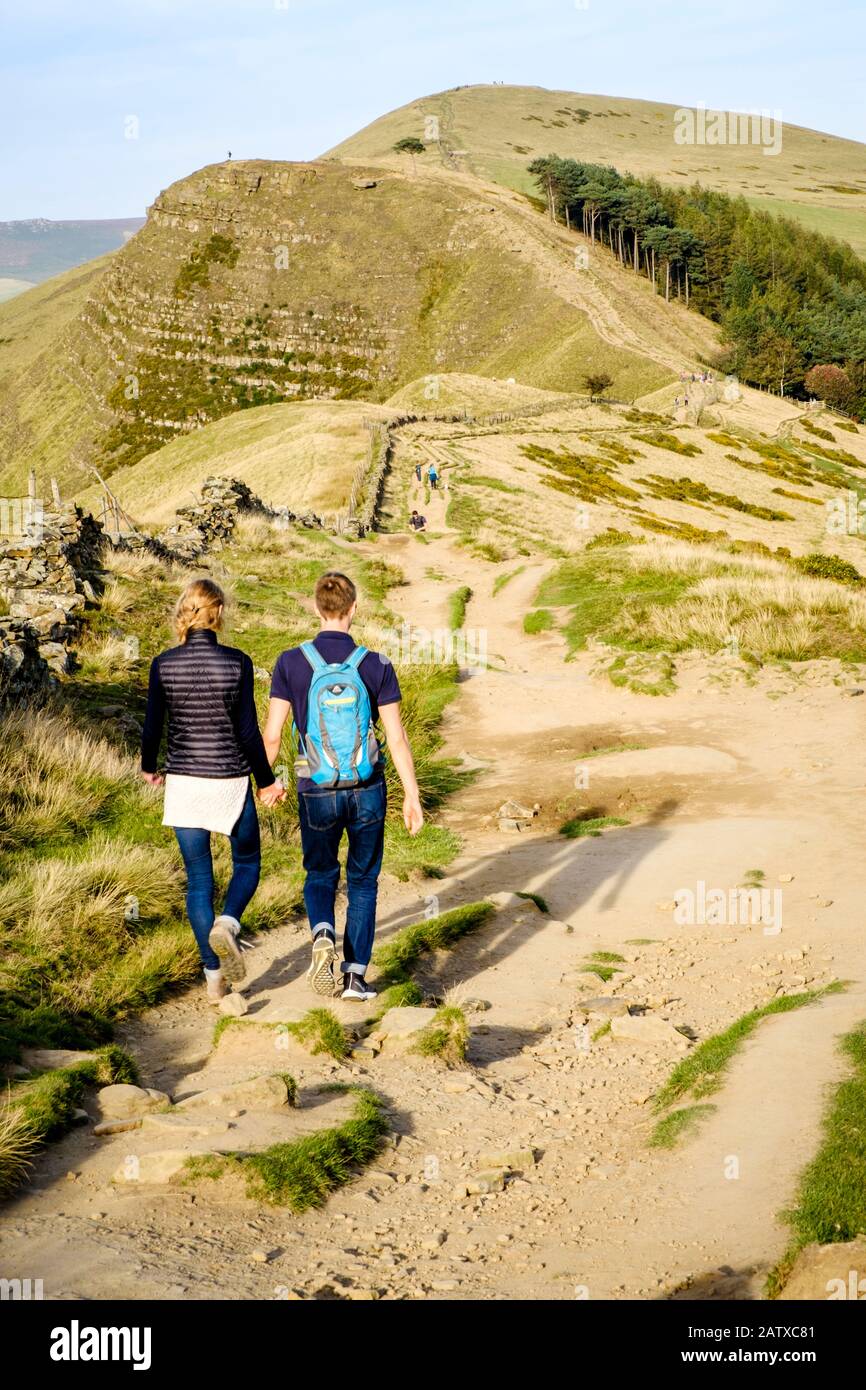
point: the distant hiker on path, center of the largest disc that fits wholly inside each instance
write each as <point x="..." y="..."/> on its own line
<point x="205" y="691"/>
<point x="418" y="522"/>
<point x="418" y="472"/>
<point x="335" y="692"/>
<point x="432" y="476"/>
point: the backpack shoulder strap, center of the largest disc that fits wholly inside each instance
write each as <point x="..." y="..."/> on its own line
<point x="314" y="656"/>
<point x="355" y="658"/>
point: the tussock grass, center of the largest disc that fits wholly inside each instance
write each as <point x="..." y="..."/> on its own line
<point x="673" y="597"/>
<point x="55" y="781"/>
<point x="132" y="564"/>
<point x="395" y="958"/>
<point x="446" y="1036"/>
<point x="39" y="1110"/>
<point x="321" y="1031"/>
<point x="105" y="658"/>
<point x="831" y="1197"/>
<point x="701" y="1073"/>
<point x="301" y="1175"/>
<point x="116" y="601"/>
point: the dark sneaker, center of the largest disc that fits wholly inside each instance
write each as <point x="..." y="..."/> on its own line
<point x="321" y="971"/>
<point x="224" y="941"/>
<point x="356" y="987"/>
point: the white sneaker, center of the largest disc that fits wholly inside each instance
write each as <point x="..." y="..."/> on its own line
<point x="355" y="986"/>
<point x="217" y="988"/>
<point x="321" y="971"/>
<point x="223" y="940"/>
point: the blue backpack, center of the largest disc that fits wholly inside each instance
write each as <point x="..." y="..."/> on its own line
<point x="340" y="745"/>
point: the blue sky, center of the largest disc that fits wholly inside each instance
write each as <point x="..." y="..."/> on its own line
<point x="286" y="79"/>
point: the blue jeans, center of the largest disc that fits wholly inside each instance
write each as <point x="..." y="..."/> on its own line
<point x="324" y="815"/>
<point x="246" y="867"/>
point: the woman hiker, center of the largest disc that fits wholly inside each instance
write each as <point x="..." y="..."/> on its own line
<point x="205" y="691"/>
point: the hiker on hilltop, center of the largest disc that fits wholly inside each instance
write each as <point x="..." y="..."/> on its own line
<point x="336" y="692"/>
<point x="417" y="521"/>
<point x="205" y="692"/>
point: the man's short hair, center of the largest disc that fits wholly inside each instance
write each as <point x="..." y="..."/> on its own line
<point x="335" y="594"/>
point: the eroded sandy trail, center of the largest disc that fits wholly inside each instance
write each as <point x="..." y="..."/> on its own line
<point x="715" y="785"/>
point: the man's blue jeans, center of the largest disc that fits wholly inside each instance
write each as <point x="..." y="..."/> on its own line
<point x="324" y="815"/>
<point x="246" y="867"/>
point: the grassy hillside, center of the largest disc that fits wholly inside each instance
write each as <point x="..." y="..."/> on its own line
<point x="37" y="317"/>
<point x="257" y="283"/>
<point x="441" y="392"/>
<point x="302" y="456"/>
<point x="494" y="131"/>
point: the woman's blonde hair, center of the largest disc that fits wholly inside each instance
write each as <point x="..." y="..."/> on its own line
<point x="200" y="605"/>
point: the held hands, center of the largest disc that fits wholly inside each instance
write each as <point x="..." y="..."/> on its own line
<point x="155" y="779"/>
<point x="413" y="816"/>
<point x="272" y="795"/>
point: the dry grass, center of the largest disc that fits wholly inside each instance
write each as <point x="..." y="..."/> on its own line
<point x="772" y="611"/>
<point x="18" y="1143"/>
<point x="107" y="658"/>
<point x="116" y="600"/>
<point x="54" y="781"/>
<point x="132" y="564"/>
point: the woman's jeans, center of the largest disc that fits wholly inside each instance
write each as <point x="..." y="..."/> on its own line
<point x="324" y="815"/>
<point x="246" y="867"/>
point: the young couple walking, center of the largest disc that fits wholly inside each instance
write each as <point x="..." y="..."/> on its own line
<point x="336" y="693"/>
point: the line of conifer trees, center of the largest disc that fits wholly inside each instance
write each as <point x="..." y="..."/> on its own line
<point x="791" y="302"/>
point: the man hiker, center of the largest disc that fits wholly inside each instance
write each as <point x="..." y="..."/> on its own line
<point x="418" y="522"/>
<point x="336" y="692"/>
<point x="418" y="471"/>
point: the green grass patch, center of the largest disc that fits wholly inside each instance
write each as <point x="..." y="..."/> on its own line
<point x="830" y="1205"/>
<point x="457" y="607"/>
<point x="321" y="1031"/>
<point x="540" y="902"/>
<point x="39" y="1110"/>
<point x="396" y="958"/>
<point x="702" y="1072"/>
<point x="501" y="580"/>
<point x="678" y="1125"/>
<point x="446" y="1036"/>
<point x="643" y="673"/>
<point x="660" y="439"/>
<point x="301" y="1175"/>
<point x="540" y="620"/>
<point x="400" y="996"/>
<point x="587" y="824"/>
<point x="601" y="587"/>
